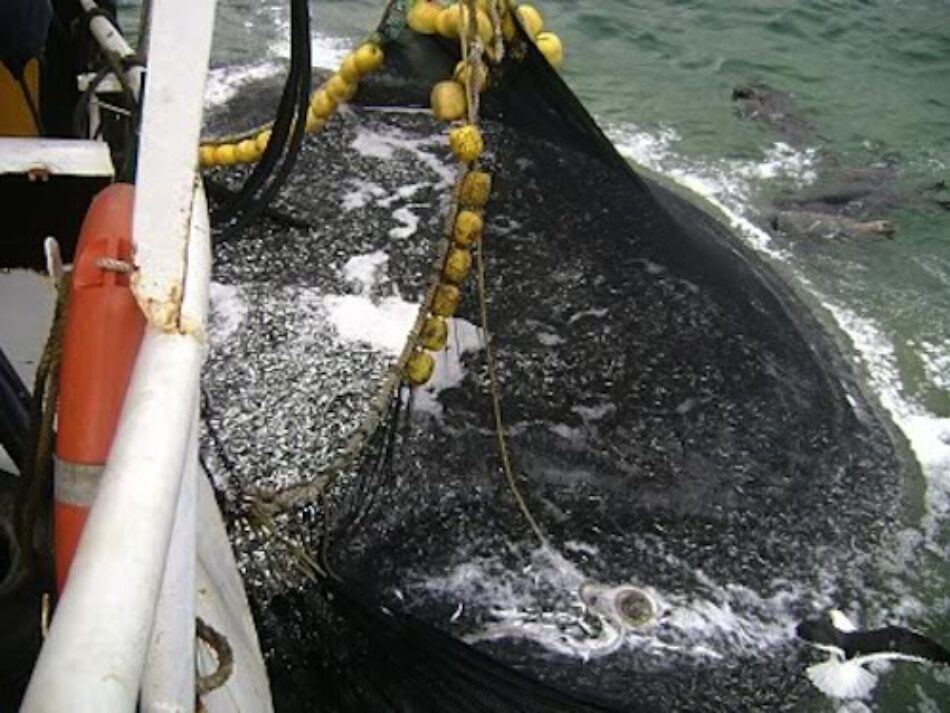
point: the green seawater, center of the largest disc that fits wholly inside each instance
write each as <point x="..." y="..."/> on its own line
<point x="871" y="80"/>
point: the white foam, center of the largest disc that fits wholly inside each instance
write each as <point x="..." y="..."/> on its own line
<point x="329" y="52"/>
<point x="542" y="603"/>
<point x="402" y="193"/>
<point x="374" y="144"/>
<point x="727" y="184"/>
<point x="594" y="313"/>
<point x="383" y="324"/>
<point x="935" y="358"/>
<point x="854" y="707"/>
<point x="225" y="82"/>
<point x="364" y="272"/>
<point x="574" y="436"/>
<point x="582" y="547"/>
<point x="719" y="179"/>
<point x="325" y="52"/>
<point x="384" y="144"/>
<point x="549" y="339"/>
<point x="409" y="220"/>
<point x="596" y="412"/>
<point x="228" y="310"/>
<point x="463" y="338"/>
<point x="361" y="194"/>
<point x="929" y="435"/>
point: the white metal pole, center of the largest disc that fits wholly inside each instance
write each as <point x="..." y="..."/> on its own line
<point x="168" y="685"/>
<point x="93" y="658"/>
<point x="111" y="40"/>
<point x="179" y="47"/>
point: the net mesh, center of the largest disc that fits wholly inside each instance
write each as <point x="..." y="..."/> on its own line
<point x="676" y="419"/>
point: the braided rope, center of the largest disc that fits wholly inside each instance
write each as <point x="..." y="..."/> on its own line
<point x="222" y="651"/>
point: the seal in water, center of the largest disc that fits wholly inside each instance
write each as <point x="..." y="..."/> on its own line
<point x="822" y="225"/>
<point x="775" y="109"/>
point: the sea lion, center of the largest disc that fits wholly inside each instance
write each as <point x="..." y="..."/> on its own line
<point x="775" y="109"/>
<point x="823" y="225"/>
<point x="846" y="201"/>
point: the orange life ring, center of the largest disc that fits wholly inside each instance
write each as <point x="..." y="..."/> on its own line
<point x="102" y="335"/>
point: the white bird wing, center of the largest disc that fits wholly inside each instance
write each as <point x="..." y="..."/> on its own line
<point x="841" y="679"/>
<point x="840" y="621"/>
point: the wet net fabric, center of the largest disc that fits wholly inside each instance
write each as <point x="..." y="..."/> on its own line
<point x="676" y="419"/>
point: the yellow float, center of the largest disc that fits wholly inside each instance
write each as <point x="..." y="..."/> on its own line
<point x="448" y="101"/>
<point x="476" y="187"/>
<point x="466" y="143"/>
<point x="423" y="16"/>
<point x="468" y="228"/>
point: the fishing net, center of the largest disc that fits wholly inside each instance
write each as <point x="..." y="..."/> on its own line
<point x="677" y="422"/>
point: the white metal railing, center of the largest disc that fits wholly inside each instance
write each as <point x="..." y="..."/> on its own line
<point x="168" y="682"/>
<point x="111" y="40"/>
<point x="134" y="571"/>
<point x="94" y="656"/>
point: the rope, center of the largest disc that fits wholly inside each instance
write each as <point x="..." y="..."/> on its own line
<point x="472" y="54"/>
<point x="496" y="401"/>
<point x="263" y="522"/>
<point x="42" y="414"/>
<point x="498" y="39"/>
<point x="263" y="504"/>
<point x="281" y="151"/>
<point x="111" y="264"/>
<point x="222" y="651"/>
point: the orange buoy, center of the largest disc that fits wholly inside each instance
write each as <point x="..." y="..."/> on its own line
<point x="103" y="330"/>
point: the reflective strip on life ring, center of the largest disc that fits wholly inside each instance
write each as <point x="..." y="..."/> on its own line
<point x="76" y="484"/>
<point x="74" y="491"/>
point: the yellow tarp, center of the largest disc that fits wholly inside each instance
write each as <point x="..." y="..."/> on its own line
<point x="15" y="116"/>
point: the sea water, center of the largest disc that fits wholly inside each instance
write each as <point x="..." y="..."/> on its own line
<point x="870" y="81"/>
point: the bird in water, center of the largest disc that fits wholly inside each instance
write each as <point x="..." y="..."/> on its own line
<point x="850" y="649"/>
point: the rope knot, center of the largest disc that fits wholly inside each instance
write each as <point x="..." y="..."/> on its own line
<point x="112" y="264"/>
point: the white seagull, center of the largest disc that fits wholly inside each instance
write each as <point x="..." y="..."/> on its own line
<point x="843" y="675"/>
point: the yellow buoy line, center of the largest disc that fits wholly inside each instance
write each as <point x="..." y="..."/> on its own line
<point x="455" y="100"/>
<point x="338" y="89"/>
<point x="431" y="17"/>
<point x="471" y="197"/>
<point x="425" y="17"/>
<point x="466" y="236"/>
<point x="480" y="26"/>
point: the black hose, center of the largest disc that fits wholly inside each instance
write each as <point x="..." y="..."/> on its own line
<point x="286" y="135"/>
<point x="219" y="191"/>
